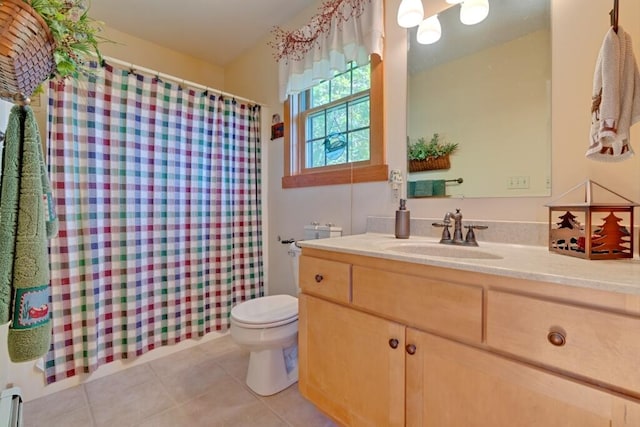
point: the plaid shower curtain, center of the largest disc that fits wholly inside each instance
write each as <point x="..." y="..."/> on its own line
<point x="157" y="190"/>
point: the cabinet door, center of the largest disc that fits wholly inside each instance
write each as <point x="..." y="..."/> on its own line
<point x="450" y="384"/>
<point x="348" y="365"/>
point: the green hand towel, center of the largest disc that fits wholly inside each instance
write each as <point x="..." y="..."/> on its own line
<point x="24" y="264"/>
<point x="8" y="216"/>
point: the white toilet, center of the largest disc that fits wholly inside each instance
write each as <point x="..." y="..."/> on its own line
<point x="268" y="328"/>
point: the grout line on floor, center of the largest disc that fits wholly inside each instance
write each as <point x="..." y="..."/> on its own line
<point x="265" y="403"/>
<point x="88" y="406"/>
<point x="165" y="388"/>
<point x="259" y="398"/>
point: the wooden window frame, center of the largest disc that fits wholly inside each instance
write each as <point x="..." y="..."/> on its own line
<point x="374" y="169"/>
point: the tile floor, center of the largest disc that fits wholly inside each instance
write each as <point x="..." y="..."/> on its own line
<point x="200" y="386"/>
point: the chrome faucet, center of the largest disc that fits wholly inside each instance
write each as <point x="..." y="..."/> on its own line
<point x="470" y="238"/>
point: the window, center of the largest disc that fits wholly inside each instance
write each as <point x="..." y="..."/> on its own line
<point x="335" y="117"/>
<point x="334" y="131"/>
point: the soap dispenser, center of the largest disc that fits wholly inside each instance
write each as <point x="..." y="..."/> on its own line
<point x="402" y="221"/>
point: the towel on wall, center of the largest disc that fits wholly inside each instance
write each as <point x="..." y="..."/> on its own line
<point x="615" y="99"/>
<point x="25" y="210"/>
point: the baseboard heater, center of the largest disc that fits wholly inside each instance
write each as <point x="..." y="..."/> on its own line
<point x="11" y="407"/>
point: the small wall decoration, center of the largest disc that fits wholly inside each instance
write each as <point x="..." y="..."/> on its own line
<point x="277" y="127"/>
<point x="590" y="229"/>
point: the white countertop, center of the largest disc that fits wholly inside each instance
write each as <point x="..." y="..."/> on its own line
<point x="519" y="261"/>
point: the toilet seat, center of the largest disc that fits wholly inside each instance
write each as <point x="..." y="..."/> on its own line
<point x="266" y="312"/>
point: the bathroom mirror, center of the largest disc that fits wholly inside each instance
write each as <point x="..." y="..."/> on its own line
<point x="486" y="87"/>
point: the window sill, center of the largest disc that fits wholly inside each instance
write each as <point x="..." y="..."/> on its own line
<point x="335" y="177"/>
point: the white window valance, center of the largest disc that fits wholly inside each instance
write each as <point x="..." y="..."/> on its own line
<point x="345" y="40"/>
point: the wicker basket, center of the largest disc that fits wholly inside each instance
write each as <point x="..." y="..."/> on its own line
<point x="430" y="163"/>
<point x="26" y="49"/>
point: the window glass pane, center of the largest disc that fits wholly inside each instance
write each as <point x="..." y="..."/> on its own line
<point x="361" y="78"/>
<point x="316" y="127"/>
<point x="320" y="94"/>
<point x="341" y="86"/>
<point x="315" y="153"/>
<point x="359" y="145"/>
<point x="359" y="113"/>
<point x="337" y="119"/>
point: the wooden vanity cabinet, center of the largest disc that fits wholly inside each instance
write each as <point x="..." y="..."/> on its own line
<point x="385" y="343"/>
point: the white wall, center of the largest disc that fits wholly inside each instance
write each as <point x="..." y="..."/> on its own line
<point x="578" y="42"/>
<point x="158" y="58"/>
<point x="578" y="28"/>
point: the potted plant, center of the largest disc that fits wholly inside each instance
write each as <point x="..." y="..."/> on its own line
<point x="430" y="155"/>
<point x="74" y="32"/>
<point x="44" y="39"/>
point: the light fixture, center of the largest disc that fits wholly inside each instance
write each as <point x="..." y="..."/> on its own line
<point x="429" y="30"/>
<point x="473" y="11"/>
<point x="410" y="13"/>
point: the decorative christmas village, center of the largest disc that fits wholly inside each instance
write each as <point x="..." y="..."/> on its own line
<point x="589" y="229"/>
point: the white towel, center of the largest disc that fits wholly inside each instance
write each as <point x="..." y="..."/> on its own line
<point x="616" y="99"/>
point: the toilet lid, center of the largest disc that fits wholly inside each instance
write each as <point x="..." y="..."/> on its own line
<point x="266" y="310"/>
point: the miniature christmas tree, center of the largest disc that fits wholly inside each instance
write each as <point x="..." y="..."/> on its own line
<point x="568" y="221"/>
<point x="611" y="236"/>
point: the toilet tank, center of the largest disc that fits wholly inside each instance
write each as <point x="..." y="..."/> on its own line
<point x="317" y="231"/>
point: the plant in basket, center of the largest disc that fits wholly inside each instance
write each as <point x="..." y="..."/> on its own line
<point x="76" y="35"/>
<point x="40" y="39"/>
<point x="430" y="155"/>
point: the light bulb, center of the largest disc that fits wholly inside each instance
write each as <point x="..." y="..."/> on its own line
<point x="473" y="11"/>
<point x="429" y="30"/>
<point x="410" y="13"/>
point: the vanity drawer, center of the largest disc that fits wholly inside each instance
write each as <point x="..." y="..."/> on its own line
<point x="427" y="304"/>
<point x="596" y="344"/>
<point x="324" y="278"/>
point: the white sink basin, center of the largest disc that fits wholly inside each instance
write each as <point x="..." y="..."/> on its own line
<point x="441" y="250"/>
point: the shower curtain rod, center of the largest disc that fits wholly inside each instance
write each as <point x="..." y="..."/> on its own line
<point x="176" y="79"/>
